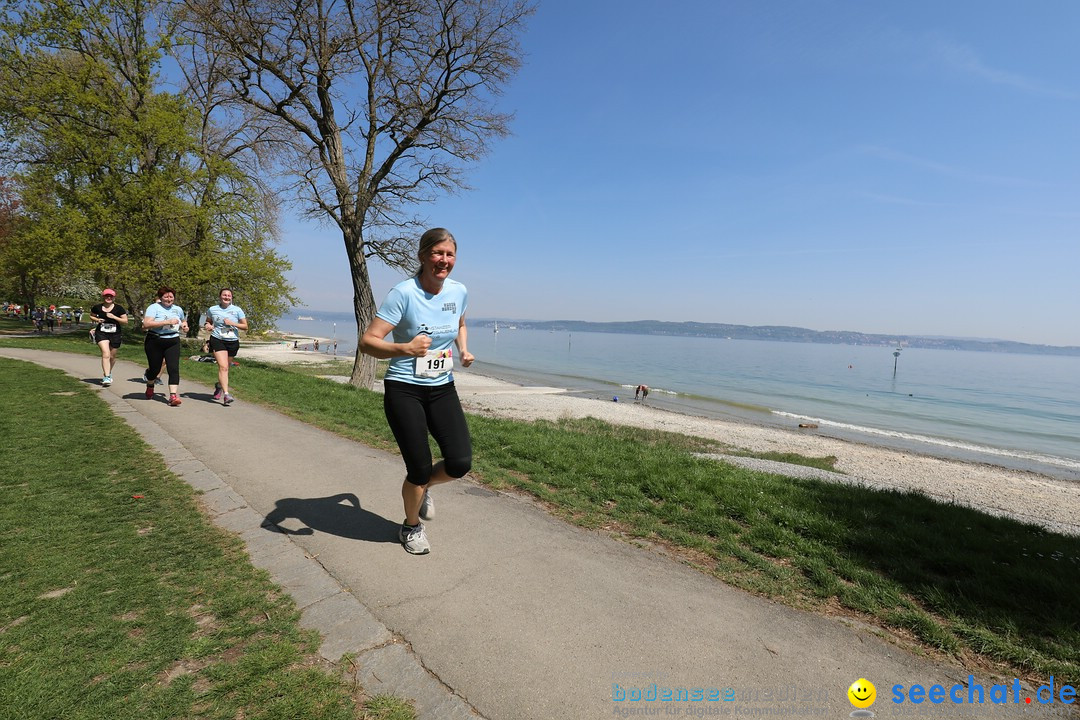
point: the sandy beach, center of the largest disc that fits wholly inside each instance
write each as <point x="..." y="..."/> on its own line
<point x="1049" y="502"/>
<point x="293" y="349"/>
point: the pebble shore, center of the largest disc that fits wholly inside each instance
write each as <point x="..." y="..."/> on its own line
<point x="1049" y="502"/>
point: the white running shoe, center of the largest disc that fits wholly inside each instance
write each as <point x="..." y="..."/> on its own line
<point x="414" y="539"/>
<point x="106" y="381"/>
<point x="427" y="507"/>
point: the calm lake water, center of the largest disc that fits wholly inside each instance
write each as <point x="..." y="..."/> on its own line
<point x="1020" y="411"/>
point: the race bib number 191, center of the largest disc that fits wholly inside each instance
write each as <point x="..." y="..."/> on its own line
<point x="435" y="363"/>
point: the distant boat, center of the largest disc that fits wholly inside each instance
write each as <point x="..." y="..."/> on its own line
<point x="496" y="327"/>
<point x="304" y="317"/>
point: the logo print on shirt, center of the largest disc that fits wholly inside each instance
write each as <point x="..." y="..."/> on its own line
<point x="449" y="307"/>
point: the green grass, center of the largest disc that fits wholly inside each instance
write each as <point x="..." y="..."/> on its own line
<point x="985" y="589"/>
<point x="828" y="462"/>
<point x="120" y="599"/>
<point x="10" y="324"/>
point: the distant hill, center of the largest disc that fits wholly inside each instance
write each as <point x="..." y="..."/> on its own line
<point x="780" y="333"/>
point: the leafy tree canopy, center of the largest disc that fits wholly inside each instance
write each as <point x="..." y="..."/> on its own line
<point x="115" y="174"/>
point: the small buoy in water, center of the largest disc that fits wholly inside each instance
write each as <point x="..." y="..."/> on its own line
<point x="807" y="425"/>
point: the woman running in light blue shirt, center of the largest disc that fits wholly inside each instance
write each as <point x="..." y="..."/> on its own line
<point x="426" y="316"/>
<point x="164" y="321"/>
<point x="223" y="321"/>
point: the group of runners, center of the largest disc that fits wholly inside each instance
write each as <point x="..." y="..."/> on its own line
<point x="44" y="317"/>
<point x="416" y="328"/>
<point x="164" y="321"/>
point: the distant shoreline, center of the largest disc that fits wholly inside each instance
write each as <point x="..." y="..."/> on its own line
<point x="778" y="333"/>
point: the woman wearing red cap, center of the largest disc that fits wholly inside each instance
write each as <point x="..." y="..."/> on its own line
<point x="109" y="317"/>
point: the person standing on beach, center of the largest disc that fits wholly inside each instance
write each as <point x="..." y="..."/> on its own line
<point x="223" y="320"/>
<point x="426" y="315"/>
<point x="164" y="321"/>
<point x="109" y="317"/>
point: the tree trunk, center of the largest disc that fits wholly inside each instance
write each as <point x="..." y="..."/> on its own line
<point x="363" y="372"/>
<point x="194" y="326"/>
<point x="30" y="293"/>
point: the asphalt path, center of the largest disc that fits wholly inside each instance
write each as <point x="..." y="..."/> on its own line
<point x="515" y="614"/>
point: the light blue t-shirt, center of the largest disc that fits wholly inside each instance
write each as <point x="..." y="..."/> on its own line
<point x="217" y="314"/>
<point x="412" y="311"/>
<point x="158" y="312"/>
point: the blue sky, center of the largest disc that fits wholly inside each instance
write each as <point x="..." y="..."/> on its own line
<point x="888" y="167"/>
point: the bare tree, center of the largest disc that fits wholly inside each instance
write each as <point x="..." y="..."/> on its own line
<point x="378" y="105"/>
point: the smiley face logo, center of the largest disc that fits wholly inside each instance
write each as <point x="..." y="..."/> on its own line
<point x="862" y="693"/>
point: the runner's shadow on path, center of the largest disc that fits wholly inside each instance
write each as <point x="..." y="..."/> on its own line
<point x="339" y="515"/>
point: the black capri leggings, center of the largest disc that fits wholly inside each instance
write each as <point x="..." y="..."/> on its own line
<point x="412" y="411"/>
<point x="158" y="348"/>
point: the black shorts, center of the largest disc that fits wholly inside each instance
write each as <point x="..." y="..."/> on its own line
<point x="114" y="338"/>
<point x="230" y="346"/>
